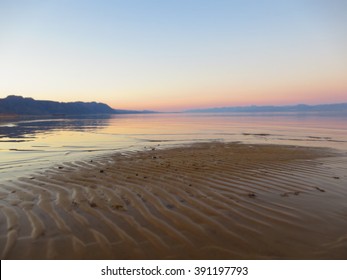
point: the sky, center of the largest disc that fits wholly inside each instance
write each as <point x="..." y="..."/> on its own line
<point x="175" y="55"/>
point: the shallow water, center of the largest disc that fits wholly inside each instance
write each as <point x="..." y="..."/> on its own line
<point x="28" y="145"/>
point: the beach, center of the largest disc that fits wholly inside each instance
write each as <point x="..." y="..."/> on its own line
<point x="213" y="200"/>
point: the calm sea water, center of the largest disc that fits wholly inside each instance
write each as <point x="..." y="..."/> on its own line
<point x="28" y="145"/>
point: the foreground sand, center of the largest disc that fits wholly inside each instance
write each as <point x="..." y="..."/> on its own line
<point x="205" y="201"/>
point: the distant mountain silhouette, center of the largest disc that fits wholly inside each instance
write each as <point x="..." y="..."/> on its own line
<point x="300" y="108"/>
<point x="28" y="106"/>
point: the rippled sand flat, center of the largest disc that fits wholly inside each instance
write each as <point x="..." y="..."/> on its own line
<point x="204" y="201"/>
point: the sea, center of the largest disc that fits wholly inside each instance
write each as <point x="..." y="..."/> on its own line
<point x="31" y="144"/>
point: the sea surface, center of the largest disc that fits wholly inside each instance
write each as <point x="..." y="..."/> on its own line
<point x="27" y="145"/>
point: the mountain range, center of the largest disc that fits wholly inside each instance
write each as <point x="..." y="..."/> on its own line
<point x="337" y="108"/>
<point x="19" y="105"/>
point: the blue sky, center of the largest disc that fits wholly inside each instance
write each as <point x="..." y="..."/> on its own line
<point x="175" y="54"/>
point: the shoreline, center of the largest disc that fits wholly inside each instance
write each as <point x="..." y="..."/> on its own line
<point x="202" y="201"/>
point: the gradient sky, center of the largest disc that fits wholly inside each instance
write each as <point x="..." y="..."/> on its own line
<point x="173" y="55"/>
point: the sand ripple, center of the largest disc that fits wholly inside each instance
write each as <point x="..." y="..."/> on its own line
<point x="206" y="201"/>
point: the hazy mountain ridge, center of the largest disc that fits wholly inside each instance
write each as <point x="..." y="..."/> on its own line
<point x="28" y="106"/>
<point x="300" y="108"/>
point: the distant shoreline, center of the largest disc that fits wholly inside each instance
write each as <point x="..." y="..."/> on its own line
<point x="300" y="108"/>
<point x="20" y="105"/>
<point x="28" y="106"/>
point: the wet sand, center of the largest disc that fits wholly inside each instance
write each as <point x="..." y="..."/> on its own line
<point x="204" y="201"/>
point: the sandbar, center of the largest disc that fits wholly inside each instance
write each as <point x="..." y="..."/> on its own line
<point x="202" y="201"/>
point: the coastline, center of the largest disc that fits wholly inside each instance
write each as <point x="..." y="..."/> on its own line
<point x="202" y="201"/>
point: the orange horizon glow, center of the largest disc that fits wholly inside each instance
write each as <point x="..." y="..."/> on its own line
<point x="313" y="97"/>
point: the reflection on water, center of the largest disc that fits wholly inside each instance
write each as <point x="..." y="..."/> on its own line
<point x="27" y="129"/>
<point x="38" y="143"/>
